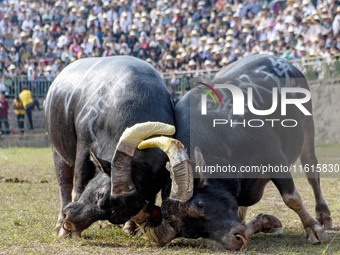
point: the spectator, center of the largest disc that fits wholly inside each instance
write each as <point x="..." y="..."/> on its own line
<point x="3" y="86"/>
<point x="28" y="103"/>
<point x="19" y="111"/>
<point x="4" y="106"/>
<point x="203" y="30"/>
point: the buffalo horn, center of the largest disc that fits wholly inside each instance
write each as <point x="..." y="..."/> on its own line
<point x="180" y="170"/>
<point x="121" y="179"/>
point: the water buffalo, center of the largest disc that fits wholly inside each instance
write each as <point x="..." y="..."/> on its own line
<point x="208" y="205"/>
<point x="87" y="108"/>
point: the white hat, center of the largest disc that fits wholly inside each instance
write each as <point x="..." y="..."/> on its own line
<point x="168" y="57"/>
<point x="92" y="17"/>
<point x="192" y="62"/>
<point x="11" y="67"/>
<point x="210" y="40"/>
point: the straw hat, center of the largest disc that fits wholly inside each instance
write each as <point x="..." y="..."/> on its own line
<point x="230" y="32"/>
<point x="160" y="38"/>
<point x="23" y="34"/>
<point x="204" y="21"/>
<point x="158" y="30"/>
<point x="11" y="67"/>
<point x="203" y="39"/>
<point x="246" y="30"/>
<point x="237" y="52"/>
<point x="92" y="17"/>
<point x="192" y="63"/>
<point x="207" y="62"/>
<point x="228" y="46"/>
<point x="210" y="41"/>
<point x="223" y="61"/>
<point x="305" y="2"/>
<point x="172" y="29"/>
<point x="211" y="27"/>
<point x="247" y="23"/>
<point x="302" y="49"/>
<point x="106" y="4"/>
<point x="290" y="29"/>
<point x="229" y="39"/>
<point x="216" y="50"/>
<point x="194" y="33"/>
<point x="168" y="57"/>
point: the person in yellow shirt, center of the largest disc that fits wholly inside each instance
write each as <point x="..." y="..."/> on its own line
<point x="28" y="103"/>
<point x="19" y="111"/>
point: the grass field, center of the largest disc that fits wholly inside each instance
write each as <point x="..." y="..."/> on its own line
<point x="30" y="203"/>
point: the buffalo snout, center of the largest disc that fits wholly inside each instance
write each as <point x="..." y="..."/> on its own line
<point x="236" y="239"/>
<point x="75" y="220"/>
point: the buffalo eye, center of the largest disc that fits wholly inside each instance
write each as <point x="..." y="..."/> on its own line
<point x="200" y="204"/>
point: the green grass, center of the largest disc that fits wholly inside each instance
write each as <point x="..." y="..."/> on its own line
<point x="29" y="204"/>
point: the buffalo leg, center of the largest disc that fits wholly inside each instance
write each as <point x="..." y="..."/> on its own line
<point x="84" y="171"/>
<point x="308" y="157"/>
<point x="315" y="232"/>
<point x="64" y="174"/>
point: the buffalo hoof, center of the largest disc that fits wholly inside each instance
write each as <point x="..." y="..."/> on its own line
<point x="325" y="220"/>
<point x="264" y="223"/>
<point x="271" y="224"/>
<point x="316" y="234"/>
<point x="130" y="228"/>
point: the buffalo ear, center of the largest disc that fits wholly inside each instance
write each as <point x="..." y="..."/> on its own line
<point x="199" y="160"/>
<point x="100" y="164"/>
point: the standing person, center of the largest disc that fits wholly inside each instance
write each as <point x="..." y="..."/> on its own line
<point x="4" y="125"/>
<point x="19" y="110"/>
<point x="28" y="103"/>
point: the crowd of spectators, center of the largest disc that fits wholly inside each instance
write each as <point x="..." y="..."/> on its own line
<point x="39" y="37"/>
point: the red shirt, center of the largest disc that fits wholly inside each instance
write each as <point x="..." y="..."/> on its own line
<point x="4" y="107"/>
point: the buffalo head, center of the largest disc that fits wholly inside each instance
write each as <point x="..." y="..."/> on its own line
<point x="114" y="198"/>
<point x="206" y="211"/>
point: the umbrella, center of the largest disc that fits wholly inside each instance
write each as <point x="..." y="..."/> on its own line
<point x="254" y="8"/>
<point x="272" y="3"/>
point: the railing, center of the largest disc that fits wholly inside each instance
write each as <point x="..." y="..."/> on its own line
<point x="38" y="87"/>
<point x="316" y="70"/>
<point x="319" y="68"/>
<point x="180" y="81"/>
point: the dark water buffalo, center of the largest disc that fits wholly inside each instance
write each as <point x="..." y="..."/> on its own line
<point x="88" y="106"/>
<point x="209" y="205"/>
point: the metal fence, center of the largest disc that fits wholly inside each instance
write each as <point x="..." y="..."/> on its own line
<point x="38" y="87"/>
<point x="316" y="70"/>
